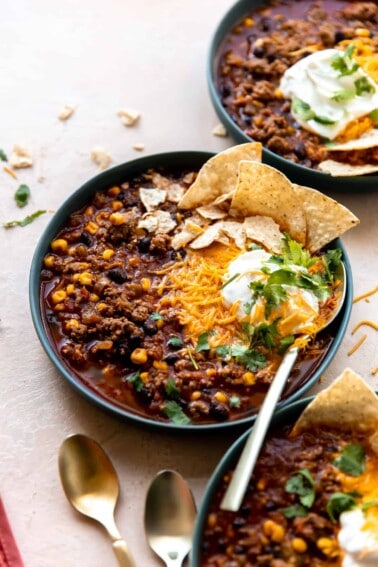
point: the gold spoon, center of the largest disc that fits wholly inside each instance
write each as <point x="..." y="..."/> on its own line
<point x="169" y="516"/>
<point x="91" y="485"/>
<point x="235" y="491"/>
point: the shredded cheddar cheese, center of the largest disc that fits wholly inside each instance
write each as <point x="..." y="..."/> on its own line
<point x="365" y="54"/>
<point x="9" y="171"/>
<point x="365" y="322"/>
<point x="366" y="294"/>
<point x="357" y="345"/>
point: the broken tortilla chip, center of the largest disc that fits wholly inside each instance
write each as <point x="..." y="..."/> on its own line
<point x="367" y="140"/>
<point x="348" y="404"/>
<point x="339" y="169"/>
<point x="326" y="219"/>
<point x="264" y="231"/>
<point x="213" y="233"/>
<point x="219" y="175"/>
<point x="265" y="191"/>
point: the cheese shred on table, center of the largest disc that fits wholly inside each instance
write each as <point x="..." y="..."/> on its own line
<point x="365" y="322"/>
<point x="357" y="345"/>
<point x="366" y="294"/>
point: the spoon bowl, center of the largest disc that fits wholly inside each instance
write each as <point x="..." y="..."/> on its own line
<point x="169" y="517"/>
<point x="91" y="486"/>
<point x="234" y="494"/>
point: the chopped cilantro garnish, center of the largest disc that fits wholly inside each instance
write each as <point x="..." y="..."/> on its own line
<point x="203" y="341"/>
<point x="285" y="343"/>
<point x="343" y="62"/>
<point x="296" y="511"/>
<point x="156" y="316"/>
<point x="234" y="402"/>
<point x="251" y="359"/>
<point x="175" y="413"/>
<point x="195" y="365"/>
<point x="339" y="503"/>
<point x="303" y="485"/>
<point x="364" y="86"/>
<point x="172" y="390"/>
<point x="304" y="111"/>
<point x="24" y="221"/>
<point x="230" y="280"/>
<point x="254" y="246"/>
<point x="265" y="334"/>
<point x="136" y="381"/>
<point x="374" y="115"/>
<point x="175" y="342"/>
<point x="370" y="504"/>
<point x="247" y="307"/>
<point x="331" y="261"/>
<point x="352" y="460"/>
<point x="344" y="95"/>
<point x="294" y="253"/>
<point x="22" y="195"/>
<point x="3" y="155"/>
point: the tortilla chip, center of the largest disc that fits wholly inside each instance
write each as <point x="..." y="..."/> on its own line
<point x="338" y="169"/>
<point x="175" y="192"/>
<point x="265" y="231"/>
<point x="212" y="212"/>
<point x="348" y="404"/>
<point x="326" y="218"/>
<point x="235" y="230"/>
<point x="152" y="197"/>
<point x="364" y="142"/>
<point x="190" y="231"/>
<point x="213" y="233"/>
<point x="263" y="190"/>
<point x="157" y="221"/>
<point x="219" y="175"/>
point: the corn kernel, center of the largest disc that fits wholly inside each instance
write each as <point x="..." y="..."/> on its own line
<point x="59" y="245"/>
<point x="72" y="324"/>
<point x="134" y="262"/>
<point x="86" y="278"/>
<point x="88" y="211"/>
<point x="58" y="296"/>
<point x="299" y="545"/>
<point x="49" y="261"/>
<point x="328" y="546"/>
<point x="261" y="484"/>
<point x="160" y="365"/>
<point x="59" y="307"/>
<point x="248" y="22"/>
<point x="108" y="253"/>
<point x="91" y="227"/>
<point x="139" y="356"/>
<point x="160" y="323"/>
<point x="221" y="397"/>
<point x="94" y="297"/>
<point x="195" y="395"/>
<point x="212" y="520"/>
<point x="273" y="531"/>
<point x="101" y="306"/>
<point x="70" y="289"/>
<point x="362" y="32"/>
<point x="117" y="219"/>
<point x="145" y="283"/>
<point x="179" y="217"/>
<point x="114" y="191"/>
<point x="117" y="205"/>
<point x="278" y="93"/>
<point x="249" y="378"/>
<point x="211" y="372"/>
<point x="144" y="376"/>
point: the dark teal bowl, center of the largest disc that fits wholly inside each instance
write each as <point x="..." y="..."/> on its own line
<point x="114" y="176"/>
<point x="285" y="416"/>
<point x="295" y="172"/>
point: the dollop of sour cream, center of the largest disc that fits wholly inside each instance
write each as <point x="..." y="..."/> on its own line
<point x="246" y="268"/>
<point x="359" y="544"/>
<point x="324" y="98"/>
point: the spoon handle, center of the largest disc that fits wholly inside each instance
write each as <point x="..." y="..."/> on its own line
<point x="234" y="494"/>
<point x="123" y="553"/>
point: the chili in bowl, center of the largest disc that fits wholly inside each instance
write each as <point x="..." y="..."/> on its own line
<point x="311" y="500"/>
<point x="132" y="288"/>
<point x="301" y="78"/>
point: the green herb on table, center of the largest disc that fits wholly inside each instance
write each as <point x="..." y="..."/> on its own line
<point x="339" y="503"/>
<point x="175" y="413"/>
<point x="352" y="460"/>
<point x="3" y="156"/>
<point x="22" y="195"/>
<point x="23" y="222"/>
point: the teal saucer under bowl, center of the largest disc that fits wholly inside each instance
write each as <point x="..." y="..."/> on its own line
<point x="186" y="160"/>
<point x="295" y="172"/>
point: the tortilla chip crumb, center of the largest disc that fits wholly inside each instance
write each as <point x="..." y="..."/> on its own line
<point x="138" y="147"/>
<point x="220" y="131"/>
<point x="101" y="157"/>
<point x="21" y="157"/>
<point x="66" y="112"/>
<point x="9" y="171"/>
<point x="129" y="116"/>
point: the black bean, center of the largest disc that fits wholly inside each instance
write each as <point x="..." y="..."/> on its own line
<point x="339" y="36"/>
<point x="258" y="51"/>
<point x="171" y="358"/>
<point x="150" y="327"/>
<point x="219" y="411"/>
<point x="85" y="238"/>
<point x="144" y="244"/>
<point x="117" y="275"/>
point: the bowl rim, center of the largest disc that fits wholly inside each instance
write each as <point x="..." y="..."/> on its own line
<point x="283" y="416"/>
<point x="230" y="18"/>
<point x="81" y="196"/>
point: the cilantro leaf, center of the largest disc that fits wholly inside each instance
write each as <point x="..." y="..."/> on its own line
<point x="294" y="253"/>
<point x="364" y="86"/>
<point x="252" y="359"/>
<point x="156" y="316"/>
<point x="273" y="294"/>
<point x="344" y="95"/>
<point x="223" y="350"/>
<point x="234" y="402"/>
<point x="352" y="460"/>
<point x="295" y="511"/>
<point x="22" y="195"/>
<point x="303" y="485"/>
<point x="304" y="112"/>
<point x="175" y="413"/>
<point x="332" y="260"/>
<point x="265" y="335"/>
<point x="338" y="503"/>
<point x="23" y="222"/>
<point x="370" y="504"/>
<point x="285" y="343"/>
<point x="374" y="115"/>
<point x="175" y="341"/>
<point x="136" y="381"/>
<point x="172" y="390"/>
<point x="203" y="341"/>
<point x="343" y="63"/>
<point x="3" y="155"/>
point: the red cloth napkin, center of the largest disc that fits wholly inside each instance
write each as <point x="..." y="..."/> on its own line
<point x="9" y="554"/>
